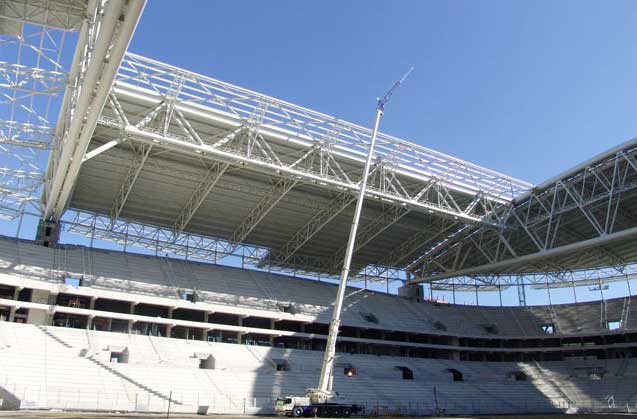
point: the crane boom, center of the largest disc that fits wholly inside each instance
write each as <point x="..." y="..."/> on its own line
<point x="324" y="390"/>
<point x="390" y="92"/>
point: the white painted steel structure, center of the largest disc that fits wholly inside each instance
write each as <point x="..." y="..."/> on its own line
<point x="580" y="222"/>
<point x="33" y="74"/>
<point x="148" y="154"/>
<point x="162" y="118"/>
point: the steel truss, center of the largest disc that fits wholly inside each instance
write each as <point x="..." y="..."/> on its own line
<point x="103" y="39"/>
<point x="248" y="130"/>
<point x="550" y="280"/>
<point x="406" y="175"/>
<point x="33" y="37"/>
<point x="574" y="222"/>
<point x="61" y="14"/>
<point x="161" y="241"/>
<point x="478" y="227"/>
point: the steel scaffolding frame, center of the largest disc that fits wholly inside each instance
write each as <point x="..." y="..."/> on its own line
<point x="103" y="39"/>
<point x="547" y="230"/>
<point x="32" y="36"/>
<point x="159" y="240"/>
<point x="490" y="229"/>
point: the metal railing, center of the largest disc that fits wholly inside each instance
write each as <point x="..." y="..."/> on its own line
<point x="17" y="396"/>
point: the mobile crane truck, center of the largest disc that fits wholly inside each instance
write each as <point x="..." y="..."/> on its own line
<point x="322" y="401"/>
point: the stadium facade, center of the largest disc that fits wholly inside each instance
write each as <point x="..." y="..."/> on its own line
<point x="193" y="172"/>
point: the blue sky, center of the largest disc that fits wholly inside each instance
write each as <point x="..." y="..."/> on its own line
<point x="526" y="88"/>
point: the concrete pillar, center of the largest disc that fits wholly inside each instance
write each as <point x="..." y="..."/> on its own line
<point x="37" y="316"/>
<point x="91" y="304"/>
<point x="204" y="333"/>
<point x="206" y="319"/>
<point x="109" y="325"/>
<point x="239" y="334"/>
<point x="272" y="322"/>
<point x="169" y="327"/>
<point x="89" y="321"/>
<point x="53" y="297"/>
<point x="16" y="292"/>
<point x="12" y="311"/>
<point x="131" y="322"/>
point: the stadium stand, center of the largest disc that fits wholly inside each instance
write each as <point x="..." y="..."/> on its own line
<point x="74" y="298"/>
<point x="71" y="366"/>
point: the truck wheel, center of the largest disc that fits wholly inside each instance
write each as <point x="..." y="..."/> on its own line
<point x="347" y="412"/>
<point x="337" y="413"/>
<point x="297" y="412"/>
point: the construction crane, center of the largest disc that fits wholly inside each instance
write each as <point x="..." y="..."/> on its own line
<point x="317" y="400"/>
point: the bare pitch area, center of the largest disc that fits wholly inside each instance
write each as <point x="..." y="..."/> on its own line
<point x="90" y="415"/>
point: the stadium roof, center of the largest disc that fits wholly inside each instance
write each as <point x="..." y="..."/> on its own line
<point x="186" y="152"/>
<point x="583" y="219"/>
<point x="148" y="154"/>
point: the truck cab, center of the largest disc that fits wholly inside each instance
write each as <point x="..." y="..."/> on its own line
<point x="293" y="406"/>
<point x="303" y="407"/>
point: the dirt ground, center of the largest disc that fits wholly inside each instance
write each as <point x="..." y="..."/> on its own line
<point x="88" y="415"/>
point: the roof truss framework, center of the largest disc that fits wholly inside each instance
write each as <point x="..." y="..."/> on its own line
<point x="59" y="14"/>
<point x="368" y="232"/>
<point x="103" y="39"/>
<point x="473" y="229"/>
<point x="33" y="38"/>
<point x="183" y="115"/>
<point x="192" y="246"/>
<point x="310" y="229"/>
<point x="437" y="181"/>
<point x="581" y="219"/>
<point x="140" y="154"/>
<point x="199" y="195"/>
<point x="542" y="280"/>
<point x="258" y="213"/>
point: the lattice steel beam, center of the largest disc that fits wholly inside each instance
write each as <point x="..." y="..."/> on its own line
<point x="310" y="229"/>
<point x="263" y="207"/>
<point x="26" y="134"/>
<point x="140" y="154"/>
<point x="32" y="76"/>
<point x="588" y="207"/>
<point x="411" y="176"/>
<point x="156" y="239"/>
<point x="59" y="14"/>
<point x="199" y="195"/>
<point x="414" y="243"/>
<point x="370" y="231"/>
<point x="31" y="80"/>
<point x="103" y="39"/>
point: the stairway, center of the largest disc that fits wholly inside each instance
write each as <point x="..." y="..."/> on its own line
<point x="137" y="384"/>
<point x="44" y="330"/>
